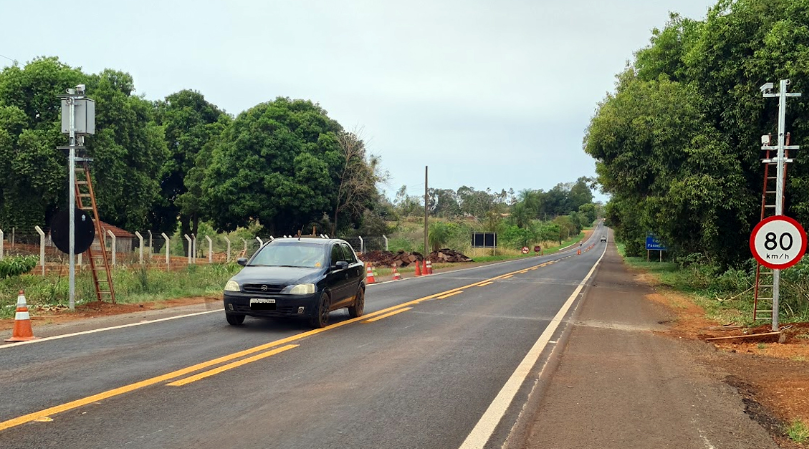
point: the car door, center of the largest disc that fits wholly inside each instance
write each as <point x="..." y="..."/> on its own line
<point x="356" y="270"/>
<point x="338" y="278"/>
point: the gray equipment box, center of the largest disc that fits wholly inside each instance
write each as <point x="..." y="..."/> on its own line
<point x="85" y="117"/>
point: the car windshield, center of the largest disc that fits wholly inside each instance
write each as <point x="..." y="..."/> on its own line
<point x="290" y="255"/>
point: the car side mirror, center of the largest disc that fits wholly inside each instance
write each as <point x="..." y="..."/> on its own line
<point x="340" y="265"/>
<point x="241" y="261"/>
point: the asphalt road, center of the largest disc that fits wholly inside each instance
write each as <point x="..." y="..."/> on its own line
<point x="434" y="363"/>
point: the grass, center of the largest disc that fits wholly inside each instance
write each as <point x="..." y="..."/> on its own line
<point x="798" y="431"/>
<point x="136" y="285"/>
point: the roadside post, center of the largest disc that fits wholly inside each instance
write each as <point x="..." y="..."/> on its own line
<point x="773" y="227"/>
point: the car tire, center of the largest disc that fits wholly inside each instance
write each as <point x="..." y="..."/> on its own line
<point x="234" y="319"/>
<point x="358" y="308"/>
<point x="321" y="317"/>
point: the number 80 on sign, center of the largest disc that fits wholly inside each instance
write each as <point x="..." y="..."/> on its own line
<point x="778" y="242"/>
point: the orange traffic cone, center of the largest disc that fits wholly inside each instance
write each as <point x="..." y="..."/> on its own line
<point x="418" y="268"/>
<point x="22" y="322"/>
<point x="429" y="267"/>
<point x="396" y="275"/>
<point x="369" y="275"/>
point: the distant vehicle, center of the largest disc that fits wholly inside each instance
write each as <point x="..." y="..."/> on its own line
<point x="603" y="238"/>
<point x="306" y="277"/>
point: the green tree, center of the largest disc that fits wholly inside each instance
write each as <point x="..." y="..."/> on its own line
<point x="192" y="126"/>
<point x="277" y="163"/>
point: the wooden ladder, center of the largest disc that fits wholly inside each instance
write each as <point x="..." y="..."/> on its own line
<point x="763" y="291"/>
<point x="99" y="259"/>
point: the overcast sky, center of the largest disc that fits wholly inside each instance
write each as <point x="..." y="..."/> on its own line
<point x="490" y="94"/>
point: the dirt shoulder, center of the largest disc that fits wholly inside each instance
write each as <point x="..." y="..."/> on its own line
<point x="772" y="377"/>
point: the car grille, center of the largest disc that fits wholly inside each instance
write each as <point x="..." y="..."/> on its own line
<point x="262" y="288"/>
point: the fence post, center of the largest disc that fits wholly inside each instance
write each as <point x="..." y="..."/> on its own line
<point x="210" y="249"/>
<point x="362" y="244"/>
<point x="168" y="244"/>
<point x="41" y="248"/>
<point x="189" y="248"/>
<point x="1" y="244"/>
<point x="151" y="251"/>
<point x="386" y="241"/>
<point x="228" y="255"/>
<point x="114" y="246"/>
<point x="194" y="252"/>
<point x="140" y="238"/>
<point x="245" y="247"/>
<point x="260" y="242"/>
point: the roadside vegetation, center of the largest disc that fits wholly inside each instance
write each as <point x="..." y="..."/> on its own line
<point x="727" y="294"/>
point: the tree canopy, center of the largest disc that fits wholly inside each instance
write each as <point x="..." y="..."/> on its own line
<point x="677" y="143"/>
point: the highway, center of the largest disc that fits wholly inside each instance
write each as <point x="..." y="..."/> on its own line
<point x="440" y="361"/>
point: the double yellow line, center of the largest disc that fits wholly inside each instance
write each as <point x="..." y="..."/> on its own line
<point x="272" y="348"/>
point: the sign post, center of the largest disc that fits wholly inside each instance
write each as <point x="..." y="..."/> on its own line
<point x="778" y="242"/>
<point x="780" y="161"/>
<point x="653" y="244"/>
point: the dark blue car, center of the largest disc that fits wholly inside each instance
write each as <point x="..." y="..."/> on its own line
<point x="304" y="277"/>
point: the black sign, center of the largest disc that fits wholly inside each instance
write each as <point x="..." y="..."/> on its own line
<point x="484" y="240"/>
<point x="85" y="231"/>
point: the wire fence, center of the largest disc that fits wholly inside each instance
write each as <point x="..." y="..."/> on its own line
<point x="157" y="251"/>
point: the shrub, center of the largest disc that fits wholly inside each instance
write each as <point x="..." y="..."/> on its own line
<point x="15" y="266"/>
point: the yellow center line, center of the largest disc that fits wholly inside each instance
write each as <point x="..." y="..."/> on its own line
<point x="229" y="366"/>
<point x="384" y="313"/>
<point x="450" y="294"/>
<point x="388" y="314"/>
<point x="485" y="284"/>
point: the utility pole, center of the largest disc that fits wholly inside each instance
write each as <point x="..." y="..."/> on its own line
<point x="426" y="251"/>
<point x="782" y="95"/>
<point x="75" y="97"/>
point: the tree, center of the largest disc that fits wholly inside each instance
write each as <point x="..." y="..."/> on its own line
<point x="127" y="148"/>
<point x="357" y="179"/>
<point x="277" y="163"/>
<point x="192" y="125"/>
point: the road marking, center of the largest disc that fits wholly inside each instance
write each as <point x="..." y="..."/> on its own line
<point x="140" y="323"/>
<point x="450" y="294"/>
<point x="388" y="315"/>
<point x="484" y="429"/>
<point x="46" y="413"/>
<point x="506" y="277"/>
<point x="230" y="366"/>
<point x="485" y="284"/>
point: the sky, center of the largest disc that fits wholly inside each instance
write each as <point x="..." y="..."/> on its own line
<point x="487" y="94"/>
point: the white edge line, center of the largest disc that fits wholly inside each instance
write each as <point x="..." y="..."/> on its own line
<point x="484" y="429"/>
<point x="93" y="331"/>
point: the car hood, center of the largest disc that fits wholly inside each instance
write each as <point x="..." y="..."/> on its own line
<point x="278" y="275"/>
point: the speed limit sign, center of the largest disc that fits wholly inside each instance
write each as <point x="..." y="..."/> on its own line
<point x="778" y="242"/>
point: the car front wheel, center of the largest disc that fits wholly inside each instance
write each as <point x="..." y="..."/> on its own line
<point x="234" y="319"/>
<point x="321" y="316"/>
<point x="359" y="304"/>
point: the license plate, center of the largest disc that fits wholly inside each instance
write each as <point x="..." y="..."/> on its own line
<point x="262" y="303"/>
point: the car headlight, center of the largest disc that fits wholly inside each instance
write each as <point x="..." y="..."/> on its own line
<point x="300" y="289"/>
<point x="232" y="286"/>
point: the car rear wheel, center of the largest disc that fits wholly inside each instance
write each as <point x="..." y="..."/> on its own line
<point x="321" y="316"/>
<point x="234" y="319"/>
<point x="359" y="304"/>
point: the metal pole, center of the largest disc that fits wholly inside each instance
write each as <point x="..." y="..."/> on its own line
<point x="41" y="248"/>
<point x="189" y="247"/>
<point x="71" y="202"/>
<point x="168" y="243"/>
<point x="779" y="192"/>
<point x="210" y="249"/>
<point x="426" y="251"/>
<point x="383" y="236"/>
<point x="228" y="254"/>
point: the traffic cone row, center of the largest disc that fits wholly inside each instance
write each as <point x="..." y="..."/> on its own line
<point x="369" y="274"/>
<point x="22" y="322"/>
<point x="396" y="275"/>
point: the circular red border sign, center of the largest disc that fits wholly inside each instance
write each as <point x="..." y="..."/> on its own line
<point x="771" y="262"/>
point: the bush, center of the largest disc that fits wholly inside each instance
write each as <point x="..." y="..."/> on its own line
<point x="15" y="266"/>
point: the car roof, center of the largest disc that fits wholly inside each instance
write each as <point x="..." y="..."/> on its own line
<point x="308" y="240"/>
